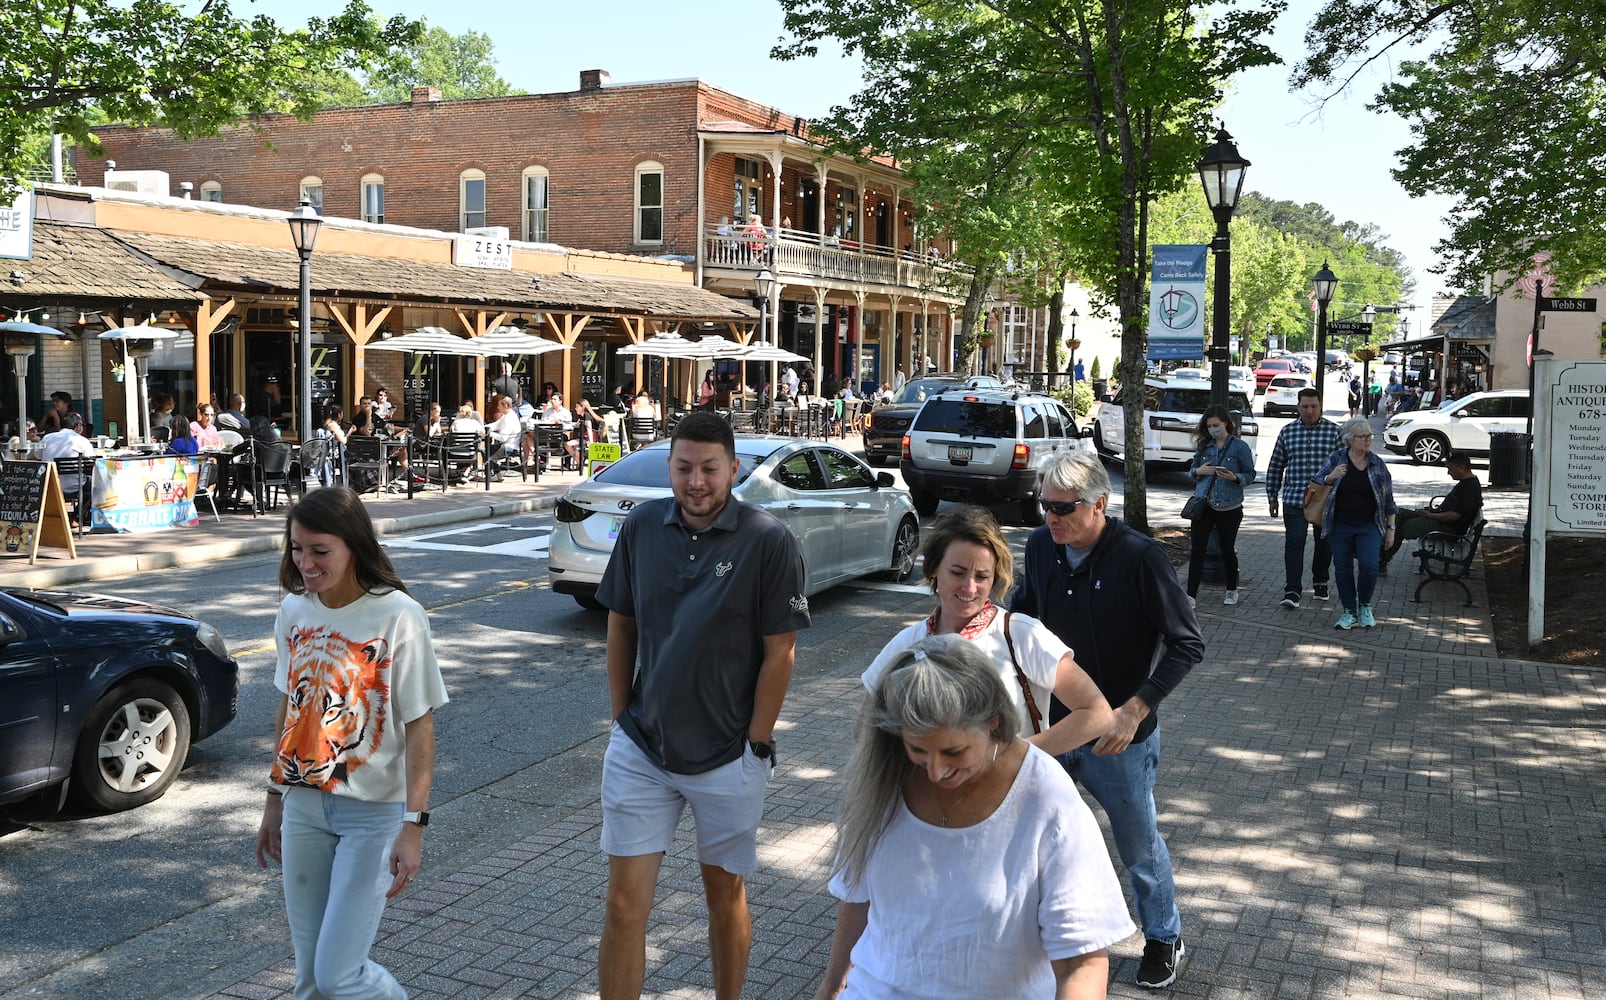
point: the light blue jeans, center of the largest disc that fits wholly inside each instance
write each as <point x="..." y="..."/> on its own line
<point x="336" y="871"/>
<point x="1355" y="543"/>
<point x="1123" y="784"/>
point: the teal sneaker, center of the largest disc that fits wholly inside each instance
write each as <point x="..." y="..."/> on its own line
<point x="1346" y="622"/>
<point x="1367" y="620"/>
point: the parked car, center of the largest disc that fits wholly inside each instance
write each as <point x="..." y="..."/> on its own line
<point x="1282" y="394"/>
<point x="1191" y="374"/>
<point x="849" y="520"/>
<point x="1171" y="414"/>
<point x="985" y="446"/>
<point x="883" y="439"/>
<point x="105" y="695"/>
<point x="1241" y="378"/>
<point x="1428" y="436"/>
<point x="1271" y="368"/>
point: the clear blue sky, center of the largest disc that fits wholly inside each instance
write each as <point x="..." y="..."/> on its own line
<point x="1338" y="156"/>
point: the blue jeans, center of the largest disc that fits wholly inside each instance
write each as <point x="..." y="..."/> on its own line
<point x="1123" y="785"/>
<point x="336" y="870"/>
<point x="1294" y="528"/>
<point x="1356" y="542"/>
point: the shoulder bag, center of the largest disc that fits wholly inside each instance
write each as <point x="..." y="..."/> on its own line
<point x="1020" y="678"/>
<point x="1196" y="503"/>
<point x="1316" y="502"/>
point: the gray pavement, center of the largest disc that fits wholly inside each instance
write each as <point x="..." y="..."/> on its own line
<point x="1389" y="812"/>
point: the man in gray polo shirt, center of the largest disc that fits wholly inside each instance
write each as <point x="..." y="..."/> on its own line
<point x="705" y="597"/>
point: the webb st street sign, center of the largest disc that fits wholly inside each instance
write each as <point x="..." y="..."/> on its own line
<point x="1552" y="304"/>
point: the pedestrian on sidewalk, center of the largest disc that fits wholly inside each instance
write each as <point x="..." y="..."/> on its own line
<point x="1359" y="518"/>
<point x="967" y="864"/>
<point x="1222" y="466"/>
<point x="1111" y="595"/>
<point x="705" y="597"/>
<point x="1300" y="450"/>
<point x="348" y="797"/>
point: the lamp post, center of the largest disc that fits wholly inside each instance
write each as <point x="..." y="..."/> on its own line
<point x="764" y="287"/>
<point x="1071" y="365"/>
<point x="1324" y="283"/>
<point x="304" y="225"/>
<point x="1222" y="174"/>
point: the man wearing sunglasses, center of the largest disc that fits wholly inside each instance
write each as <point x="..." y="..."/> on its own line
<point x="1110" y="594"/>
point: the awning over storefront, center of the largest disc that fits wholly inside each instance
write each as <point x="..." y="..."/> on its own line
<point x="1434" y="344"/>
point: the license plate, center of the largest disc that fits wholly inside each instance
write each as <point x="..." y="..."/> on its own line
<point x="959" y="452"/>
<point x="613" y="530"/>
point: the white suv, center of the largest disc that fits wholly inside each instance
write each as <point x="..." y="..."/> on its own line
<point x="1282" y="393"/>
<point x="1465" y="424"/>
<point x="1171" y="413"/>
<point x="985" y="446"/>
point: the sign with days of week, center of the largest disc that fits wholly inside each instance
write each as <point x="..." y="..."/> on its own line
<point x="1576" y="394"/>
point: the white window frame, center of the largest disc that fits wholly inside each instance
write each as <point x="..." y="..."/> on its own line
<point x="644" y="170"/>
<point x="311" y="189"/>
<point x="211" y="191"/>
<point x="464" y="179"/>
<point x="370" y="182"/>
<point x="536" y="219"/>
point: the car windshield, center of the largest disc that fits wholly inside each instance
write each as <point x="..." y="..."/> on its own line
<point x="915" y="393"/>
<point x="970" y="418"/>
<point x="649" y="467"/>
<point x="1179" y="400"/>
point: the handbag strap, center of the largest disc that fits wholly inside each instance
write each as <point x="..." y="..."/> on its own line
<point x="1020" y="677"/>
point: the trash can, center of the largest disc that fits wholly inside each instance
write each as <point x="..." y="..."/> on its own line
<point x="1101" y="388"/>
<point x="1508" y="458"/>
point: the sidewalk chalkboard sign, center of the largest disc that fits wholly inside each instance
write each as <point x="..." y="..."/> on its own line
<point x="32" y="510"/>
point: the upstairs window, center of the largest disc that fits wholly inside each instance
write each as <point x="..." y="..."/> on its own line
<point x="373" y="198"/>
<point x="312" y="192"/>
<point x="472" y="200"/>
<point x="212" y="191"/>
<point x="535" y="204"/>
<point x="650" y="203"/>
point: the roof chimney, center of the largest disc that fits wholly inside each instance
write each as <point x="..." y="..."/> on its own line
<point x="426" y="95"/>
<point x="594" y="79"/>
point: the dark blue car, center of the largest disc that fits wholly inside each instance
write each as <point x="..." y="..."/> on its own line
<point x="105" y="694"/>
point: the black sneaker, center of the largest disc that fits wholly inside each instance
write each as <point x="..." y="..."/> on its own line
<point x="1320" y="590"/>
<point x="1159" y="966"/>
<point x="1291" y="600"/>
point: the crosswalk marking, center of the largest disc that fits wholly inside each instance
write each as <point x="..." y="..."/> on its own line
<point x="530" y="541"/>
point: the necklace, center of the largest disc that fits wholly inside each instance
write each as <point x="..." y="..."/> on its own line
<point x="942" y="808"/>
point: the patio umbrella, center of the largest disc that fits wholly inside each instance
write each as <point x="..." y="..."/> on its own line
<point x="506" y="340"/>
<point x="36" y="329"/>
<point x="137" y="404"/>
<point x="660" y="345"/>
<point x="433" y="340"/>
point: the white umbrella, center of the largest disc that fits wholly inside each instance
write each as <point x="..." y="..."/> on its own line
<point x="24" y="327"/>
<point x="505" y="340"/>
<point x="661" y="345"/>
<point x="137" y="405"/>
<point x="140" y="332"/>
<point x="432" y="340"/>
<point x="766" y="352"/>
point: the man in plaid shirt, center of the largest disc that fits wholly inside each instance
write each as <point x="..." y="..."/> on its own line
<point x="1301" y="449"/>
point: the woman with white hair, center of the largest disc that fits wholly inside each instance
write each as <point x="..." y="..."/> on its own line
<point x="967" y="864"/>
<point x="1357" y="520"/>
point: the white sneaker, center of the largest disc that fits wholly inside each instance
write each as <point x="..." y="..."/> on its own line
<point x="1230" y="598"/>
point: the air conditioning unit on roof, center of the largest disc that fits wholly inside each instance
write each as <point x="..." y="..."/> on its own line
<point x="139" y="181"/>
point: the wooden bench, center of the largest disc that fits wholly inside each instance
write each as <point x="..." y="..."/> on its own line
<point x="1446" y="556"/>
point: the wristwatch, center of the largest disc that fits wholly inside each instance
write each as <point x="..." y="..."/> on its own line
<point x="421" y="818"/>
<point x="763" y="751"/>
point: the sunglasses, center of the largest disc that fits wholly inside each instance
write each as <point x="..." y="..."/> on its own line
<point x="1061" y="508"/>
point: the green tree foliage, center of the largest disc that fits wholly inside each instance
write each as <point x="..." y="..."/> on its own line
<point x="460" y="66"/>
<point x="1505" y="116"/>
<point x="1060" y="117"/>
<point x="150" y="62"/>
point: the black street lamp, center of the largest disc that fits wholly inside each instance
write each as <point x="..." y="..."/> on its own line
<point x="1071" y="343"/>
<point x="1324" y="283"/>
<point x="1222" y="173"/>
<point x="764" y="286"/>
<point x="304" y="225"/>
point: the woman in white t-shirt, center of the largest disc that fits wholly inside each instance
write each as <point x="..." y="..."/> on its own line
<point x="968" y="561"/>
<point x="348" y="796"/>
<point x="967" y="865"/>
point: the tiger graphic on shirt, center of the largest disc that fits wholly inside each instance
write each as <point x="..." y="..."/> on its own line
<point x="336" y="716"/>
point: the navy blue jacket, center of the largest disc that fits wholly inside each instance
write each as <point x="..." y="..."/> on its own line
<point x="1124" y="615"/>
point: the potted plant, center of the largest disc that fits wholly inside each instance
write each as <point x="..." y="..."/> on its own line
<point x="117" y="371"/>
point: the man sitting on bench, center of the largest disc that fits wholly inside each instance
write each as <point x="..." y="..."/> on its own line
<point x="1459" y="511"/>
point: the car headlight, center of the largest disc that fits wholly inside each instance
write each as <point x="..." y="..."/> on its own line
<point x="568" y="512"/>
<point x="1396" y="423"/>
<point x="212" y="639"/>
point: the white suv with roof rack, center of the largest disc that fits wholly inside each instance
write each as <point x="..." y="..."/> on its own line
<point x="1171" y="413"/>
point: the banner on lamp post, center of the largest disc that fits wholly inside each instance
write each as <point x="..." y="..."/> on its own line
<point x="1176" y="303"/>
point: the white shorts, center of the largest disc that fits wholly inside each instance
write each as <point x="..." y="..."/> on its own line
<point x="642" y="804"/>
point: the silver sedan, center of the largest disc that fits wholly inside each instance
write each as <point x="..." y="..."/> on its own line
<point x="848" y="520"/>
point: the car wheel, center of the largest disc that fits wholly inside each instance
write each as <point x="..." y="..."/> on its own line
<point x="1031" y="514"/>
<point x="925" y="503"/>
<point x="132" y="747"/>
<point x="588" y="602"/>
<point x="1428" y="449"/>
<point x="904" y="548"/>
<point x="1098" y="440"/>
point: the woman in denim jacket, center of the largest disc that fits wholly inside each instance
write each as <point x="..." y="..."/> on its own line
<point x="1358" y="519"/>
<point x="1222" y="466"/>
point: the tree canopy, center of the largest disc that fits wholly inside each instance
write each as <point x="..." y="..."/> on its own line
<point x="1505" y="117"/>
<point x="459" y="66"/>
<point x="70" y="63"/>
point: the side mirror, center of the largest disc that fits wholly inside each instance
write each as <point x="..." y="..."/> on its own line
<point x="883" y="479"/>
<point x="1085" y="432"/>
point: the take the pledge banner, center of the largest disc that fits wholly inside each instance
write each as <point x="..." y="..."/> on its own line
<point x="146" y="494"/>
<point x="1176" y="303"/>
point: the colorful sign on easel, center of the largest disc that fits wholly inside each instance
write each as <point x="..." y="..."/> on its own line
<point x="33" y="511"/>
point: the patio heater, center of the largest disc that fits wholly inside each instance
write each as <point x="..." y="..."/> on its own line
<point x="304" y="225"/>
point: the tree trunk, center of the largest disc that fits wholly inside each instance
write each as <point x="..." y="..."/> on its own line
<point x="1053" y="342"/>
<point x="971" y="317"/>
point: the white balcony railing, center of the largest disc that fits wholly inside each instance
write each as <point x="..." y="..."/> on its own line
<point x="804" y="254"/>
